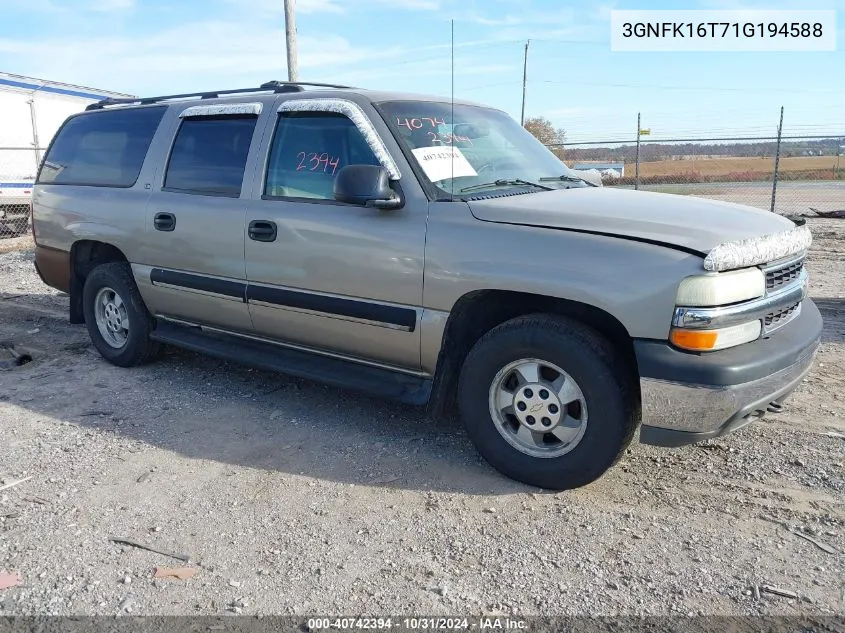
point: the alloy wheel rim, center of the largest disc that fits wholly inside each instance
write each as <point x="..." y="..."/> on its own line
<point x="111" y="317"/>
<point x="538" y="408"/>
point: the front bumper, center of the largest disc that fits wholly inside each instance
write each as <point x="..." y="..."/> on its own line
<point x="688" y="398"/>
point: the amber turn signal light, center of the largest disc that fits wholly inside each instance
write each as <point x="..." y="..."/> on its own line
<point x="698" y="340"/>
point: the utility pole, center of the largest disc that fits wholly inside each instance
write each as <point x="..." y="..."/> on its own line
<point x="290" y="38"/>
<point x="524" y="81"/>
<point x="637" y="177"/>
<point x="777" y="161"/>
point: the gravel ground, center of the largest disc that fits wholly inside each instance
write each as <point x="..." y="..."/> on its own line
<point x="293" y="498"/>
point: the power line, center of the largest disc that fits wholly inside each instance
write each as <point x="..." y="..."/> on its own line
<point x="693" y="88"/>
<point x="653" y="87"/>
<point x="588" y="42"/>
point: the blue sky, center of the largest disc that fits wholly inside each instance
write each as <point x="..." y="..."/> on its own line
<point x="160" y="46"/>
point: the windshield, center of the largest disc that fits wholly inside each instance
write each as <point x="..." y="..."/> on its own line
<point x="475" y="150"/>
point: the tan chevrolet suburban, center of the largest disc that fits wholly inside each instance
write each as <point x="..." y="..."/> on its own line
<point x="428" y="251"/>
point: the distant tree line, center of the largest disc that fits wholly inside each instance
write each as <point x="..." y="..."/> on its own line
<point x="666" y="151"/>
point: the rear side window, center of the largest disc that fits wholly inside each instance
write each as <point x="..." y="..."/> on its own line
<point x="102" y="149"/>
<point x="209" y="155"/>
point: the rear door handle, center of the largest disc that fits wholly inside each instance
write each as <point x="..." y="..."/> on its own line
<point x="163" y="221"/>
<point x="262" y="231"/>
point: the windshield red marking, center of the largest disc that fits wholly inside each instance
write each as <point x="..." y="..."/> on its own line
<point x="448" y="139"/>
<point x="419" y="122"/>
<point x="315" y="160"/>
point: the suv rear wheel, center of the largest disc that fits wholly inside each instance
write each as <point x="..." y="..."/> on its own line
<point x="544" y="401"/>
<point x="117" y="319"/>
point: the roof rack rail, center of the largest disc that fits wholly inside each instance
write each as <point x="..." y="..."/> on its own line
<point x="274" y="86"/>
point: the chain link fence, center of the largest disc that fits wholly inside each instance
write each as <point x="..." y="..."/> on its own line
<point x="809" y="178"/>
<point x="791" y="175"/>
<point x="18" y="166"/>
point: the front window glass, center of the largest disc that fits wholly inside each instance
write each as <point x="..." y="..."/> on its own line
<point x="309" y="149"/>
<point x="475" y="150"/>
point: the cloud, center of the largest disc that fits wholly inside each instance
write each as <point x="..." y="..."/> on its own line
<point x="108" y="6"/>
<point x="559" y="15"/>
<point x="308" y="7"/>
<point x="198" y="55"/>
<point x="404" y="75"/>
<point x="414" y="5"/>
<point x="755" y="5"/>
<point x="302" y="7"/>
<point x="68" y="7"/>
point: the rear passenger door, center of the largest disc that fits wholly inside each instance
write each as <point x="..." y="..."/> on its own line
<point x="194" y="234"/>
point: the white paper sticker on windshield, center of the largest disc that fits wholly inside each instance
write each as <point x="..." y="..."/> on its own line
<point x="442" y="162"/>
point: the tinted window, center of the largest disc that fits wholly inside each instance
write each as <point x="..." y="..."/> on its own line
<point x="209" y="155"/>
<point x="308" y="150"/>
<point x="105" y="148"/>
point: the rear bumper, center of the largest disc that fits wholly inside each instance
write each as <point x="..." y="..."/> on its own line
<point x="53" y="266"/>
<point x="688" y="398"/>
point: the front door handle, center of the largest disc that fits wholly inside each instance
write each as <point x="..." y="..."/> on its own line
<point x="262" y="231"/>
<point x="163" y="221"/>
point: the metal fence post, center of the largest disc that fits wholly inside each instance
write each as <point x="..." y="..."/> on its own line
<point x="777" y="161"/>
<point x="637" y="167"/>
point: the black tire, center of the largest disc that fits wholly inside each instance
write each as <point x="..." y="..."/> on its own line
<point x="138" y="348"/>
<point x="589" y="360"/>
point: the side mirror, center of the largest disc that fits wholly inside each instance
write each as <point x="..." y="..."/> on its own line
<point x="367" y="185"/>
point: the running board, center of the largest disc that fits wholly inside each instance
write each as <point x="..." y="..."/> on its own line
<point x="326" y="369"/>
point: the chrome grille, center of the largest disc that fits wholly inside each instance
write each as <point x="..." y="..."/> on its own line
<point x="778" y="318"/>
<point x="778" y="277"/>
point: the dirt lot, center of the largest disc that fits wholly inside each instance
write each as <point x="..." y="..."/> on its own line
<point x="728" y="164"/>
<point x="291" y="497"/>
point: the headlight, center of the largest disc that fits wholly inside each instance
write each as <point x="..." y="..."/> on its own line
<point x="712" y="340"/>
<point x="722" y="288"/>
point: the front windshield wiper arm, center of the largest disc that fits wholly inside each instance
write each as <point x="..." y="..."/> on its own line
<point x="503" y="182"/>
<point x="567" y="178"/>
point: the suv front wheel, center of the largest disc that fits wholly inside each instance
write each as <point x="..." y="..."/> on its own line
<point x="117" y="319"/>
<point x="546" y="402"/>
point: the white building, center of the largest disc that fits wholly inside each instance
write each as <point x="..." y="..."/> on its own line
<point x="31" y="111"/>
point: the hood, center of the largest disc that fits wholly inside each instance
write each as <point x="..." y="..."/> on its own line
<point x="692" y="224"/>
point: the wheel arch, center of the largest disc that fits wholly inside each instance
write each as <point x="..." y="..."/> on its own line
<point x="478" y="312"/>
<point x="85" y="255"/>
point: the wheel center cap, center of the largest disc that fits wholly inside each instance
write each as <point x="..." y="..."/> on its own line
<point x="537" y="407"/>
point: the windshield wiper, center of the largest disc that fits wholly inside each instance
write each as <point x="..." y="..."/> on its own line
<point x="503" y="182"/>
<point x="566" y="178"/>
